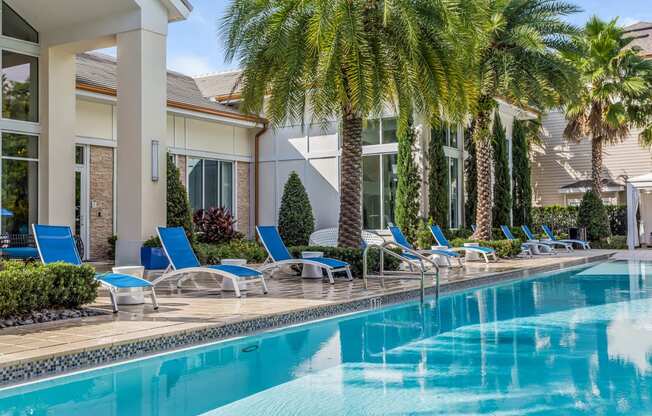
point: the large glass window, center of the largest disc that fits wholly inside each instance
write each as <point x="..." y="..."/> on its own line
<point x="15" y="26"/>
<point x="210" y="183"/>
<point x="371" y="214"/>
<point x="381" y="131"/>
<point x="19" y="86"/>
<point x="19" y="194"/>
<point x="446" y="133"/>
<point x="379" y="181"/>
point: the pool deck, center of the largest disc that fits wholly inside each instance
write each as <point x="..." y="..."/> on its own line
<point x="194" y="315"/>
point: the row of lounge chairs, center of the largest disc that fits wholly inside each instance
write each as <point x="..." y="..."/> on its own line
<point x="57" y="244"/>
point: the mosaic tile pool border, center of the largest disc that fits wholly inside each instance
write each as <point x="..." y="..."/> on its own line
<point x="40" y="368"/>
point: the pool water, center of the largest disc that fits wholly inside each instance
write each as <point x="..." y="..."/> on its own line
<point x="575" y="342"/>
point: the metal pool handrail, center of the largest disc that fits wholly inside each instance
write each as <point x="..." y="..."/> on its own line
<point x="422" y="272"/>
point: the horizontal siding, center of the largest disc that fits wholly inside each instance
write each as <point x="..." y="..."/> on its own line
<point x="558" y="162"/>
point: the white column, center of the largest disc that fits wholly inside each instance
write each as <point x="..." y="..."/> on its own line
<point x="57" y="144"/>
<point x="142" y="95"/>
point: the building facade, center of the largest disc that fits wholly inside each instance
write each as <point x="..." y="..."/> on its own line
<point x="561" y="170"/>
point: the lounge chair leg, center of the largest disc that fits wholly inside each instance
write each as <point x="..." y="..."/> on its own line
<point x="262" y="282"/>
<point x="330" y="276"/>
<point x="114" y="300"/>
<point x="348" y="274"/>
<point x="154" y="300"/>
<point x="486" y="258"/>
<point x="236" y="288"/>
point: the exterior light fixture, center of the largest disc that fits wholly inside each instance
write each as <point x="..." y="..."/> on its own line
<point x="155" y="167"/>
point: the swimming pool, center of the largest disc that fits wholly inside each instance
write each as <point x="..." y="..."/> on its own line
<point x="575" y="342"/>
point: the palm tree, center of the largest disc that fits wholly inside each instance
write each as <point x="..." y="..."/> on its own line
<point x="614" y="84"/>
<point x="519" y="63"/>
<point x="345" y="60"/>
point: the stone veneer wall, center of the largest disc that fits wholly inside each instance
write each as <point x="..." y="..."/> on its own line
<point x="243" y="196"/>
<point x="101" y="201"/>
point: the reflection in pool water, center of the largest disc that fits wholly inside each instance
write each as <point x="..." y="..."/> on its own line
<point x="577" y="342"/>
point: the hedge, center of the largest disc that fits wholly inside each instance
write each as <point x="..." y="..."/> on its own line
<point x="504" y="248"/>
<point x="562" y="218"/>
<point x="33" y="286"/>
<point x="353" y="256"/>
<point x="235" y="249"/>
<point x="615" y="242"/>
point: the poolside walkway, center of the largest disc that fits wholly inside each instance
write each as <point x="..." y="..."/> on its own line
<point x="195" y="314"/>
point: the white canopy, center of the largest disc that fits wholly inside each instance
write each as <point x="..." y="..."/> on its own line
<point x="634" y="187"/>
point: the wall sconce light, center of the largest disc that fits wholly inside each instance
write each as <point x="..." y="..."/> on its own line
<point x="155" y="168"/>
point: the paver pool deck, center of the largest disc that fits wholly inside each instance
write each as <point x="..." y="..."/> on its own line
<point x="200" y="305"/>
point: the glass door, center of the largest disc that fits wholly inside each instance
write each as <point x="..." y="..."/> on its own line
<point x="81" y="196"/>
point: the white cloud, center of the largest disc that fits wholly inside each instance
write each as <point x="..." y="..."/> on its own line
<point x="190" y="65"/>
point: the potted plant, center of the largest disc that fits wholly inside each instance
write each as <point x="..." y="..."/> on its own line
<point x="152" y="256"/>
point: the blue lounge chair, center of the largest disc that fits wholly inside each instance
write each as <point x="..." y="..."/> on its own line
<point x="485" y="252"/>
<point x="183" y="261"/>
<point x="552" y="244"/>
<point x="278" y="255"/>
<point x="584" y="244"/>
<point x="56" y="243"/>
<point x="399" y="238"/>
<point x="528" y="247"/>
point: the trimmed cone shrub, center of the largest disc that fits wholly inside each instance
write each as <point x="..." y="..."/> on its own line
<point x="438" y="178"/>
<point x="593" y="216"/>
<point x="178" y="204"/>
<point x="409" y="185"/>
<point x="295" y="218"/>
<point x="502" y="183"/>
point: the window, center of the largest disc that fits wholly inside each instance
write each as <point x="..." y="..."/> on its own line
<point x="19" y="86"/>
<point x="19" y="183"/>
<point x="446" y="133"/>
<point x="379" y="181"/>
<point x="379" y="131"/>
<point x="16" y="27"/>
<point x="210" y="183"/>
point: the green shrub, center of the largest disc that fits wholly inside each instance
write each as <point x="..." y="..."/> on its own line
<point x="521" y="172"/>
<point x="471" y="176"/>
<point x="425" y="239"/>
<point x="454" y="233"/>
<point x="502" y="184"/>
<point x="615" y="242"/>
<point x="152" y="242"/>
<point x="295" y="218"/>
<point x="557" y="217"/>
<point x="28" y="287"/>
<point x="617" y="219"/>
<point x="234" y="249"/>
<point x="353" y="256"/>
<point x="504" y="248"/>
<point x="593" y="216"/>
<point x="178" y="204"/>
<point x="111" y="252"/>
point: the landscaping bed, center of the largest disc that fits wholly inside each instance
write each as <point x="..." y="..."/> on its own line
<point x="48" y="315"/>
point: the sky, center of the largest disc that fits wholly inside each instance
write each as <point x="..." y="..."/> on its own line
<point x="195" y="47"/>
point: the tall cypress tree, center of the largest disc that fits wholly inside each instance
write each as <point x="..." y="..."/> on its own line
<point x="502" y="186"/>
<point x="438" y="177"/>
<point x="521" y="179"/>
<point x="407" y="190"/>
<point x="295" y="218"/>
<point x="470" y="173"/>
<point x="178" y="204"/>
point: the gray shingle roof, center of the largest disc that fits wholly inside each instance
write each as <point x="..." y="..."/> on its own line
<point x="100" y="70"/>
<point x="642" y="34"/>
<point x="587" y="183"/>
<point x="214" y="85"/>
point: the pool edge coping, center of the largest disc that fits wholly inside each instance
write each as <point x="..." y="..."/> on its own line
<point x="23" y="371"/>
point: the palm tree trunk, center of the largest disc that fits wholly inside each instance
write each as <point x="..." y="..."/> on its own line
<point x="350" y="225"/>
<point x="482" y="140"/>
<point x="596" y="164"/>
